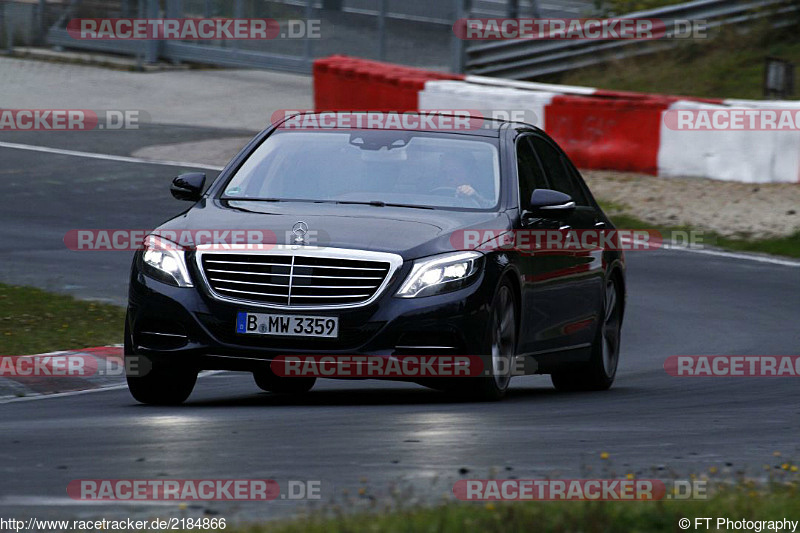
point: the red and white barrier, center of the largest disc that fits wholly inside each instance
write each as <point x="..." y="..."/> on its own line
<point x="343" y="83"/>
<point x="599" y="129"/>
<point x="65" y="371"/>
<point x="461" y="95"/>
<point x="729" y="154"/>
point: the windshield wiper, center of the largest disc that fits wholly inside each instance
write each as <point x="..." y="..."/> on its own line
<point x="410" y="206"/>
<point x="380" y="203"/>
<point x="245" y="199"/>
<point x="375" y="203"/>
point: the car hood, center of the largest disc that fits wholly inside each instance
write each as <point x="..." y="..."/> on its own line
<point x="409" y="232"/>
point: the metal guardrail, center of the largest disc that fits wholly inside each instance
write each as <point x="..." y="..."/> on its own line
<point x="444" y="11"/>
<point x="388" y="30"/>
<point x="220" y="53"/>
<point x="527" y="59"/>
<point x="379" y="29"/>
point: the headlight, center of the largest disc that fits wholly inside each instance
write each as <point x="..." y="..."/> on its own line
<point x="441" y="273"/>
<point x="165" y="261"/>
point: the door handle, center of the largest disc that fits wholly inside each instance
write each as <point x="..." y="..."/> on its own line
<point x="600" y="224"/>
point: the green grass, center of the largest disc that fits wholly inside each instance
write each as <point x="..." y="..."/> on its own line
<point x="34" y="321"/>
<point x="743" y="501"/>
<point x="731" y="65"/>
<point x="788" y="246"/>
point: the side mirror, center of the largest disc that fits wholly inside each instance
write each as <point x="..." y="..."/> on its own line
<point x="547" y="203"/>
<point x="188" y="186"/>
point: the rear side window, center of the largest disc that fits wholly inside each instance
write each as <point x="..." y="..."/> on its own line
<point x="555" y="168"/>
<point x="529" y="172"/>
<point x="577" y="179"/>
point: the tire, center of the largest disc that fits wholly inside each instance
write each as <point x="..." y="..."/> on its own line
<point x="158" y="384"/>
<point x="502" y="342"/>
<point x="598" y="374"/>
<point x="269" y="382"/>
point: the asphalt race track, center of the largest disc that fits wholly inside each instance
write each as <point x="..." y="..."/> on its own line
<point x="379" y="435"/>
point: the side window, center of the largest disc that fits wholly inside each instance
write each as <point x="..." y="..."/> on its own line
<point x="529" y="172"/>
<point x="577" y="179"/>
<point x="556" y="169"/>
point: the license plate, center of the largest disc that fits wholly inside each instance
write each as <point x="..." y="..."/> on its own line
<point x="287" y="325"/>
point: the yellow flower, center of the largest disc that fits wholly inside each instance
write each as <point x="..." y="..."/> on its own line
<point x="362" y="491"/>
<point x="490" y="506"/>
<point x="182" y="506"/>
<point x="629" y="476"/>
<point x="785" y="466"/>
<point x="604" y="455"/>
<point x="713" y="469"/>
<point x="793" y="468"/>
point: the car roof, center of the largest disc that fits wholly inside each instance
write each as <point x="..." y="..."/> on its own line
<point x="479" y="125"/>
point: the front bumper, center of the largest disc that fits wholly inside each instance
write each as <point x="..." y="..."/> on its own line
<point x="188" y="326"/>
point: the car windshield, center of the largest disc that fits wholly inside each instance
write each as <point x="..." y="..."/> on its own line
<point x="410" y="169"/>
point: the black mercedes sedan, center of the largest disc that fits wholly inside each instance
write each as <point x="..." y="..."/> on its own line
<point x="383" y="242"/>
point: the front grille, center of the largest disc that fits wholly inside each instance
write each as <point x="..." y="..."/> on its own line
<point x="294" y="280"/>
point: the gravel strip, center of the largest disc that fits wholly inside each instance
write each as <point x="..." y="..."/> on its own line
<point x="731" y="209"/>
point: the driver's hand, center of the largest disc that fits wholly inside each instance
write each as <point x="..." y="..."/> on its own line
<point x="465" y="190"/>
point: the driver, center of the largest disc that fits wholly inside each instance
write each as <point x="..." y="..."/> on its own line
<point x="457" y="174"/>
